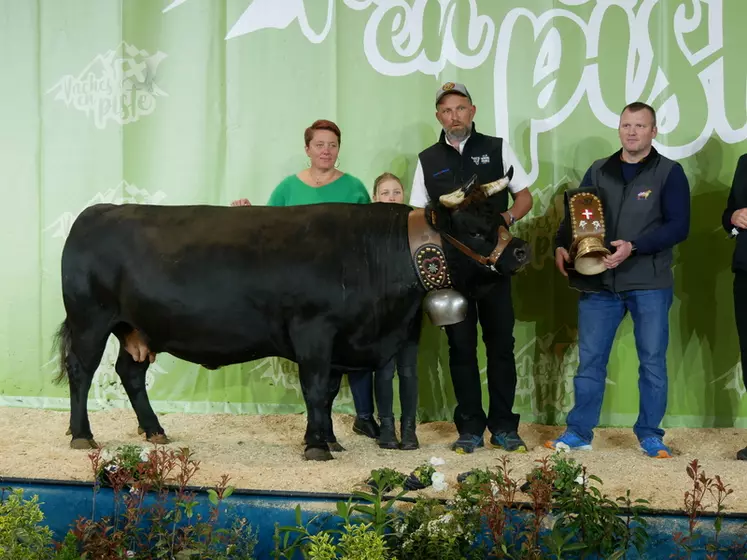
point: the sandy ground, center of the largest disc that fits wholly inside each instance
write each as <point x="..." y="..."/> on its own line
<point x="265" y="452"/>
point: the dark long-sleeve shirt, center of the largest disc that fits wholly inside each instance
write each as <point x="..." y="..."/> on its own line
<point x="675" y="200"/>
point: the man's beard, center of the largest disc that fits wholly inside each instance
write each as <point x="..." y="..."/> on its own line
<point x="457" y="134"/>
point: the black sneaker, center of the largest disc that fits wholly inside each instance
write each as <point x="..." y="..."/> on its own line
<point x="510" y="441"/>
<point x="366" y="427"/>
<point x="467" y="443"/>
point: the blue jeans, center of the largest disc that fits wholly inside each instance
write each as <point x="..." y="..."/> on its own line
<point x="361" y="387"/>
<point x="599" y="316"/>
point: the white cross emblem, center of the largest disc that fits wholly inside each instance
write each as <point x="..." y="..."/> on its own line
<point x="587" y="214"/>
<point x="485" y="158"/>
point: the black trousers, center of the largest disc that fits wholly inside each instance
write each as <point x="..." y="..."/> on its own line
<point x="496" y="315"/>
<point x="740" y="313"/>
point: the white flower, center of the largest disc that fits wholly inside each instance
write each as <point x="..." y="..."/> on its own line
<point x="549" y="521"/>
<point x="560" y="446"/>
<point x="494" y="488"/>
<point x="130" y="554"/>
<point x="439" y="481"/>
<point x="144" y="454"/>
<point x="580" y="479"/>
<point x="106" y="455"/>
<point x="436" y="461"/>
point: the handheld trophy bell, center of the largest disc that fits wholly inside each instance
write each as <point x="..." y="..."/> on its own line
<point x="587" y="227"/>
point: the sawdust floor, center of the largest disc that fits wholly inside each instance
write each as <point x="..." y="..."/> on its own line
<point x="265" y="452"/>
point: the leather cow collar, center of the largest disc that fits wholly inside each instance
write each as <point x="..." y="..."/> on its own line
<point x="427" y="252"/>
<point x="426" y="249"/>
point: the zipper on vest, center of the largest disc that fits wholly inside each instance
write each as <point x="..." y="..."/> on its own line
<point x="617" y="225"/>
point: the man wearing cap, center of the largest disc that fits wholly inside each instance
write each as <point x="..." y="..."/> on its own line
<point x="647" y="213"/>
<point x="460" y="153"/>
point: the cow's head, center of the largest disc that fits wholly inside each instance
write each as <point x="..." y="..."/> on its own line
<point x="469" y="219"/>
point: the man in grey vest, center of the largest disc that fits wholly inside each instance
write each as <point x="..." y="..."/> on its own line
<point x="460" y="153"/>
<point x="646" y="200"/>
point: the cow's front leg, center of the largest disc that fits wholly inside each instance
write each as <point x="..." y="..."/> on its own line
<point x="315" y="387"/>
<point x="329" y="433"/>
<point x="132" y="374"/>
<point x="312" y="344"/>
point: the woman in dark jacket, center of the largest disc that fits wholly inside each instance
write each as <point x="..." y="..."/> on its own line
<point x="734" y="221"/>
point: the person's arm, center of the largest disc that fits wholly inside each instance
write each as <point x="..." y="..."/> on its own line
<point x="518" y="187"/>
<point x="277" y="198"/>
<point x="675" y="203"/>
<point x="362" y="196"/>
<point x="523" y="202"/>
<point x="418" y="194"/>
<point x="562" y="257"/>
<point x="561" y="235"/>
<point x="734" y="219"/>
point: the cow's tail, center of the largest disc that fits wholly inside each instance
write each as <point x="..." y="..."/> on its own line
<point x="62" y="345"/>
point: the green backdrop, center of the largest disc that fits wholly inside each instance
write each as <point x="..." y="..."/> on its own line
<point x="205" y="101"/>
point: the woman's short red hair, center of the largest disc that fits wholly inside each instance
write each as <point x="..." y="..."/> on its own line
<point x="321" y="125"/>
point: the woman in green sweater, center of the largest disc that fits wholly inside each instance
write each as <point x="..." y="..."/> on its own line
<point x="323" y="182"/>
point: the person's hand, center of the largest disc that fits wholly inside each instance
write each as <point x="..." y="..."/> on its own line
<point x="622" y="252"/>
<point x="562" y="257"/>
<point x="241" y="202"/>
<point x="739" y="218"/>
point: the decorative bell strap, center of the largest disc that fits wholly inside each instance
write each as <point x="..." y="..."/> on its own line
<point x="427" y="252"/>
<point x="587" y="218"/>
<point x="430" y="263"/>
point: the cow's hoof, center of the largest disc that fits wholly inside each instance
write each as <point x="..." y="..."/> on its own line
<point x="317" y="454"/>
<point x="83" y="443"/>
<point x="159" y="439"/>
<point x="140" y="431"/>
<point x="335" y="447"/>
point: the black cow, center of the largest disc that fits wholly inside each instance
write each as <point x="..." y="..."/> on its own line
<point x="332" y="287"/>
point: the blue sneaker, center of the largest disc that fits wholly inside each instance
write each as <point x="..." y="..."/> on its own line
<point x="467" y="443"/>
<point x="510" y="441"/>
<point x="654" y="447"/>
<point x="568" y="441"/>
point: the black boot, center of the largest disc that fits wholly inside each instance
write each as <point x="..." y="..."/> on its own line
<point x="388" y="437"/>
<point x="366" y="427"/>
<point x="409" y="439"/>
<point x="742" y="454"/>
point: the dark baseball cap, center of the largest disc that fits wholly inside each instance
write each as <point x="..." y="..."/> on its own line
<point x="452" y="87"/>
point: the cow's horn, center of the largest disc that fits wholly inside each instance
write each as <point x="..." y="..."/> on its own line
<point x="453" y="199"/>
<point x="497" y="186"/>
